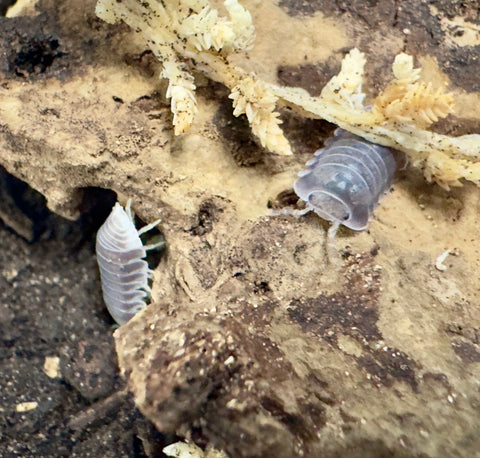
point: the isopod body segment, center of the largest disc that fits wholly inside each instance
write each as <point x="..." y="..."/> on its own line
<point x="123" y="271"/>
<point x="344" y="181"/>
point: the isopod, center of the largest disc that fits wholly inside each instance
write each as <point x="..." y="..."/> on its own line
<point x="344" y="181"/>
<point x="124" y="273"/>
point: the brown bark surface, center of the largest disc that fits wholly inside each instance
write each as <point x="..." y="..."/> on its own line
<point x="262" y="338"/>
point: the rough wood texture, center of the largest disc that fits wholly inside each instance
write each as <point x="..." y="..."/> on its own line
<point x="261" y="347"/>
<point x="372" y="354"/>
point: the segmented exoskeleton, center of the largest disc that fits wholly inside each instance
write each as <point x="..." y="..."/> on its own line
<point x="124" y="274"/>
<point x="344" y="181"/>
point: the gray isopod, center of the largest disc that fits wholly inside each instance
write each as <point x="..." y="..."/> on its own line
<point x="123" y="272"/>
<point x="344" y="181"/>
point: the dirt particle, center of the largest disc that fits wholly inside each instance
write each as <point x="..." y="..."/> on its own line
<point x="311" y="77"/>
<point x="207" y="215"/>
<point x="302" y="7"/>
<point x="145" y="62"/>
<point x="429" y="38"/>
<point x="305" y="135"/>
<point x="386" y="367"/>
<point x="467" y="351"/>
<point x="91" y="369"/>
<point x="35" y="56"/>
<point x="261" y="287"/>
<point x="354" y="312"/>
<point x="236" y="133"/>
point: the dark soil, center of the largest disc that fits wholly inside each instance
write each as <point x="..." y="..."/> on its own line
<point x="51" y="306"/>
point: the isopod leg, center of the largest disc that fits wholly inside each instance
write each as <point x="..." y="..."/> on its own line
<point x="333" y="257"/>
<point x="154" y="245"/>
<point x="128" y="210"/>
<point x="149" y="227"/>
<point x="332" y="232"/>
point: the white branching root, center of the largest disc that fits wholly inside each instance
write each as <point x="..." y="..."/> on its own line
<point x="398" y="118"/>
<point x="190" y="34"/>
<point x="181" y="30"/>
<point x="180" y="90"/>
<point x="345" y="89"/>
<point x="406" y="99"/>
<point x="257" y="101"/>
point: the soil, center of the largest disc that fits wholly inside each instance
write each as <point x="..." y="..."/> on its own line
<point x="51" y="311"/>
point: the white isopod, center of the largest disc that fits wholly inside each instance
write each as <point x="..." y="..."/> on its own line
<point x="123" y="272"/>
<point x="345" y="180"/>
